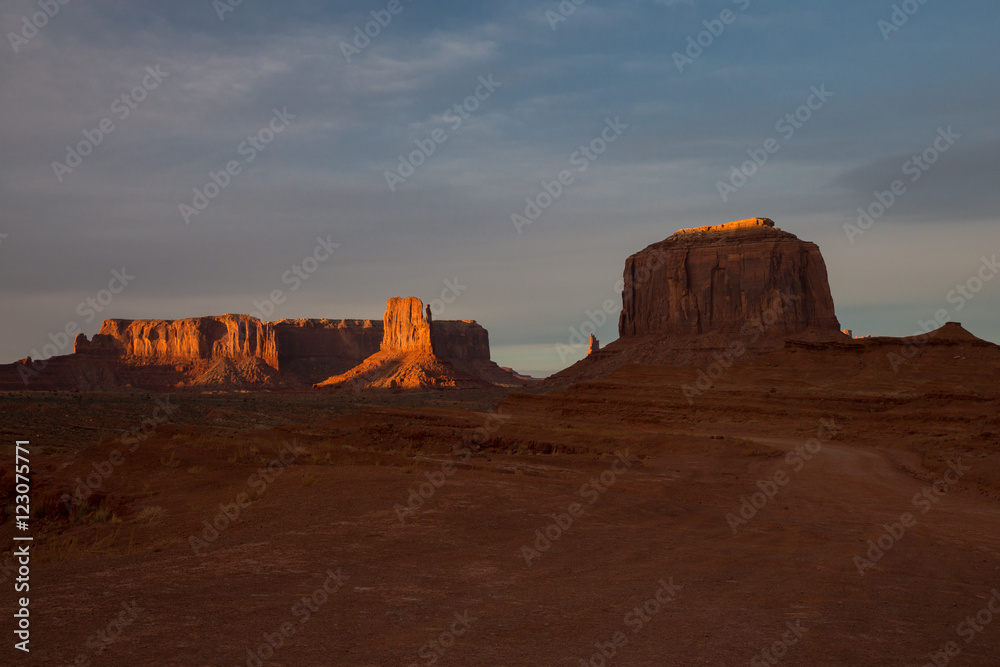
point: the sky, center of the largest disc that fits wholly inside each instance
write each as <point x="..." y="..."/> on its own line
<point x="169" y="160"/>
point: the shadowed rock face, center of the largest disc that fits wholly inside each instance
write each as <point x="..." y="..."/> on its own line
<point x="460" y="340"/>
<point x="309" y="340"/>
<point x="717" y="279"/>
<point x="733" y="291"/>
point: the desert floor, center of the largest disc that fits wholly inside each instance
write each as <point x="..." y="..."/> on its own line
<point x="631" y="482"/>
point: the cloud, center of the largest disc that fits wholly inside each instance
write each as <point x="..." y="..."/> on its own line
<point x="325" y="174"/>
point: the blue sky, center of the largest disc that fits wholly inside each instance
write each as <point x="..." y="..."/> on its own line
<point x="346" y="124"/>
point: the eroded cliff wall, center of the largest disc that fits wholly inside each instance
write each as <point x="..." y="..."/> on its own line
<point x="717" y="279"/>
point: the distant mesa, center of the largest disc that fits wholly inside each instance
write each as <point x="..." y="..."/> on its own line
<point x="705" y="295"/>
<point x="233" y="352"/>
<point x="711" y="280"/>
<point x="420" y="353"/>
<point x="740" y="289"/>
<point x="719" y="294"/>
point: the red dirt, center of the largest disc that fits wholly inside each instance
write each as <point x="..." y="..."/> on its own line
<point x="882" y="438"/>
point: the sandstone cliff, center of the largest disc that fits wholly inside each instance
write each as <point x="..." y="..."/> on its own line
<point x="188" y="352"/>
<point x="407" y="329"/>
<point x="719" y="279"/>
<point x="241" y="352"/>
<point x="419" y="353"/>
<point x="191" y="339"/>
<point x="460" y="340"/>
<point x="312" y="349"/>
<point x="738" y="290"/>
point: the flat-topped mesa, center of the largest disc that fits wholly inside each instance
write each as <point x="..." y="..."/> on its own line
<point x="460" y="340"/>
<point x="749" y="223"/>
<point x="241" y="351"/>
<point x="190" y="339"/>
<point x="718" y="280"/>
<point x="170" y="353"/>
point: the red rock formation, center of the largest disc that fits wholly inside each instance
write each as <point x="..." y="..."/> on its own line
<point x="749" y="223"/>
<point x="410" y="328"/>
<point x="192" y="339"/>
<point x="240" y="352"/>
<point x="314" y="349"/>
<point x="460" y="339"/>
<point x="406" y="329"/>
<point x="738" y="290"/>
<point x="419" y="353"/>
<point x="595" y="345"/>
<point x="63" y="372"/>
<point x="717" y="279"/>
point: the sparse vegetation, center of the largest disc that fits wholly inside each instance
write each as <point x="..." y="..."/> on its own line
<point x="149" y="514"/>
